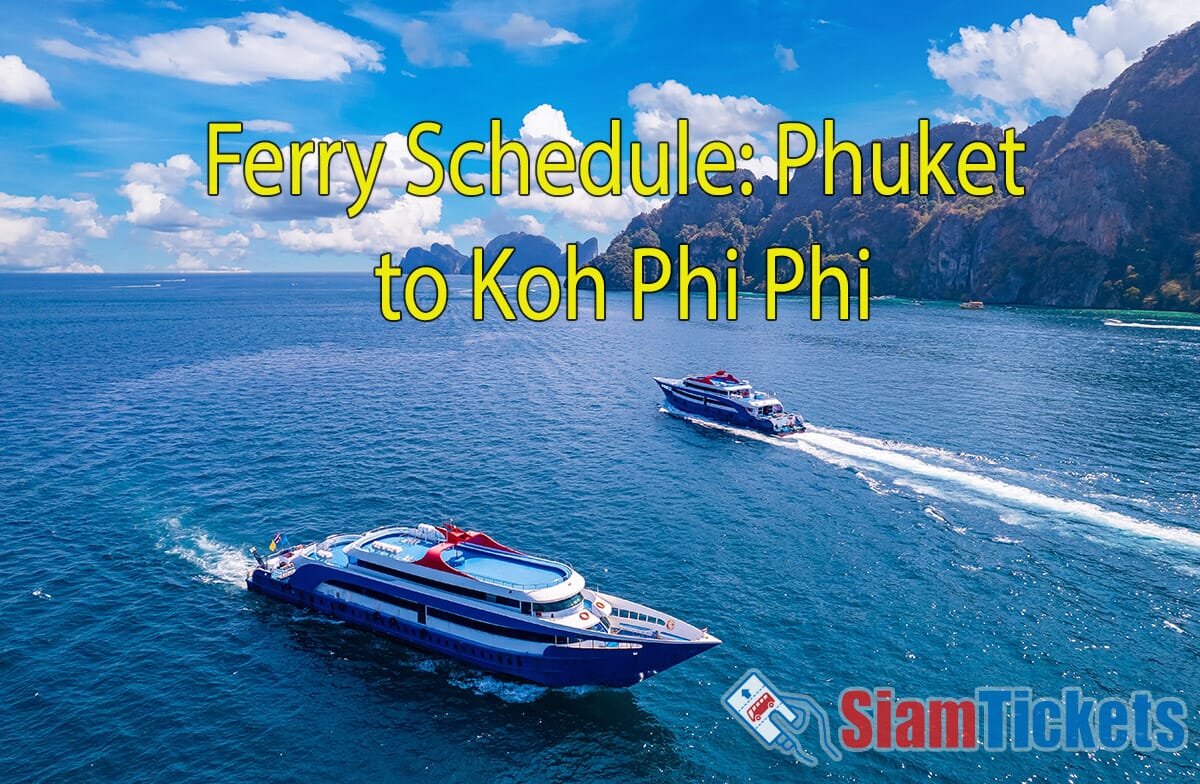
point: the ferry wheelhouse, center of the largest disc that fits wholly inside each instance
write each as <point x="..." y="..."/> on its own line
<point x="722" y="397"/>
<point x="462" y="594"/>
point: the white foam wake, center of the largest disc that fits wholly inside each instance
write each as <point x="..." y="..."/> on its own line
<point x="954" y="482"/>
<point x="992" y="491"/>
<point x="1148" y="325"/>
<point x="216" y="561"/>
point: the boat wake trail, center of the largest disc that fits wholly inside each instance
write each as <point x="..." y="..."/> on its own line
<point x="1146" y="325"/>
<point x="956" y="477"/>
<point x="217" y="562"/>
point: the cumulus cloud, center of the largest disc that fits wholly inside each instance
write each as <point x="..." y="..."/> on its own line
<point x="151" y="189"/>
<point x="471" y="228"/>
<point x="203" y="250"/>
<point x="599" y="214"/>
<point x="545" y="124"/>
<point x="205" y="260"/>
<point x="22" y="85"/>
<point x="729" y="118"/>
<point x="405" y="223"/>
<point x="530" y="225"/>
<point x="154" y="191"/>
<point x="268" y="126"/>
<point x="522" y="30"/>
<point x="1035" y="62"/>
<point x="83" y="215"/>
<point x="251" y="48"/>
<point x="734" y="119"/>
<point x="786" y="58"/>
<point x="48" y="233"/>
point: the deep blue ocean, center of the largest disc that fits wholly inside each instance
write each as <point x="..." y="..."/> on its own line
<point x="1002" y="497"/>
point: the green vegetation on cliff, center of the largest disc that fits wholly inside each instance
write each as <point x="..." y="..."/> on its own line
<point x="1110" y="217"/>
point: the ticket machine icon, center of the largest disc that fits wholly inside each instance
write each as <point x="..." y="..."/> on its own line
<point x="777" y="719"/>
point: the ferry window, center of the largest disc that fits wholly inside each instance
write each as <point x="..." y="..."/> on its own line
<point x="641" y="616"/>
<point x="563" y="604"/>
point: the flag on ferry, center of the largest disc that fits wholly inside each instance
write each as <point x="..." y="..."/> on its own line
<point x="279" y="541"/>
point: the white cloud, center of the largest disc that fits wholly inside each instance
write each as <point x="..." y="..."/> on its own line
<point x="470" y="228"/>
<point x="728" y="118"/>
<point x="190" y="262"/>
<point x="268" y="126"/>
<point x="52" y="239"/>
<point x="151" y="189"/>
<point x="154" y="191"/>
<point x="598" y="214"/>
<point x="1034" y="60"/>
<point x="407" y="222"/>
<point x="251" y="48"/>
<point x="83" y="215"/>
<point x="786" y="58"/>
<point x="522" y="30"/>
<point x="530" y="225"/>
<point x="736" y="120"/>
<point x="203" y="250"/>
<point x="22" y="85"/>
<point x="545" y="124"/>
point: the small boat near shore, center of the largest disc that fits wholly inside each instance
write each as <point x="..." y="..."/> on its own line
<point x="971" y="305"/>
<point x="462" y="594"/>
<point x="722" y="397"/>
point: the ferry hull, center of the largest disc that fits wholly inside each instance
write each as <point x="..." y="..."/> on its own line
<point x="602" y="664"/>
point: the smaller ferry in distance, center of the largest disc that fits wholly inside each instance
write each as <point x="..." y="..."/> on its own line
<point x="971" y="305"/>
<point x="722" y="397"/>
<point x="462" y="594"/>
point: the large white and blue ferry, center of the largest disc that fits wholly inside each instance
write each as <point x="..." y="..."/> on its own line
<point x="462" y="594"/>
<point x="722" y="397"/>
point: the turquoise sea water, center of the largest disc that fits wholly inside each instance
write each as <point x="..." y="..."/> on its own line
<point x="1001" y="497"/>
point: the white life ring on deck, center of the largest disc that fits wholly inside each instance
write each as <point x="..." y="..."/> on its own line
<point x="670" y="623"/>
<point x="584" y="616"/>
<point x="598" y="604"/>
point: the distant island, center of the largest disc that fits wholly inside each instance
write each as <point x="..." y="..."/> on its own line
<point x="529" y="250"/>
<point x="1110" y="219"/>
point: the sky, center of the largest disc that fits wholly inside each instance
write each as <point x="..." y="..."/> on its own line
<point x="104" y="106"/>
